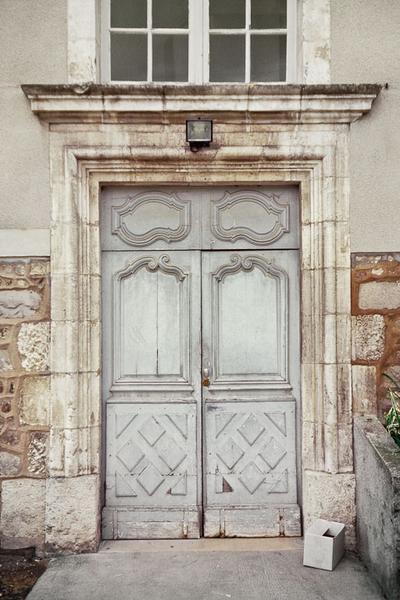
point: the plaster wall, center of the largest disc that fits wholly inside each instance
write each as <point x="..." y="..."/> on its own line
<point x="365" y="47"/>
<point x="28" y="32"/>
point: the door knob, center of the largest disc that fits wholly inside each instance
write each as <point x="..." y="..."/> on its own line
<point x="206" y="375"/>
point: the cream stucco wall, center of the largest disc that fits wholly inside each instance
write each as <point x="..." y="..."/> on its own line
<point x="33" y="48"/>
<point x="366" y="48"/>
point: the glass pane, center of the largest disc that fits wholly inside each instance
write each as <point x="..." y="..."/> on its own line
<point x="128" y="57"/>
<point x="227" y="58"/>
<point x="229" y="14"/>
<point x="128" y="13"/>
<point x="170" y="13"/>
<point x="170" y="57"/>
<point x="268" y="14"/>
<point x="268" y="57"/>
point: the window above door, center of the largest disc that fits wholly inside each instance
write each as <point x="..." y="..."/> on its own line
<point x="199" y="41"/>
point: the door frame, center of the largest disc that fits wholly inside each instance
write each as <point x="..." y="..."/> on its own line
<point x="78" y="173"/>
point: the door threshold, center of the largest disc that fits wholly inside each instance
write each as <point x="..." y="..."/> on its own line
<point x="203" y="545"/>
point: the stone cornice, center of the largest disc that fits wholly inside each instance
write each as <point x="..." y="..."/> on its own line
<point x="276" y="103"/>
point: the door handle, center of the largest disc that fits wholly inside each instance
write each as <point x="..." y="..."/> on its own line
<point x="206" y="375"/>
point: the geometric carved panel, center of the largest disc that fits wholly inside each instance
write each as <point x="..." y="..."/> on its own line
<point x="152" y="455"/>
<point x="251" y="453"/>
<point x="258" y="218"/>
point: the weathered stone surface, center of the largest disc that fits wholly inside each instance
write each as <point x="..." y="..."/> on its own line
<point x="5" y="334"/>
<point x="35" y="398"/>
<point x="377" y="468"/>
<point x="10" y="464"/>
<point x="72" y="515"/>
<point x="5" y="361"/>
<point x="330" y="496"/>
<point x="368" y="337"/>
<point x="364" y="390"/>
<point x="10" y="437"/>
<point x="22" y="515"/>
<point x="379" y="295"/>
<point x="33" y="345"/>
<point x="37" y="453"/>
<point x="18" y="303"/>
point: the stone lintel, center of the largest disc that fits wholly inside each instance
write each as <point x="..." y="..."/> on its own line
<point x="275" y="103"/>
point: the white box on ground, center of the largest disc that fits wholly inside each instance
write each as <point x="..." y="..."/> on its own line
<point x="324" y="544"/>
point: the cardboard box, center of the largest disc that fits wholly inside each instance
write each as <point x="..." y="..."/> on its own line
<point x="324" y="544"/>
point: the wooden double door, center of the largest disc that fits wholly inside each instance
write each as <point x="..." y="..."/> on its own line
<point x="200" y="362"/>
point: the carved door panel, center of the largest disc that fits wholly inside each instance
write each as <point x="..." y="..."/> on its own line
<point x="250" y="384"/>
<point x="250" y="218"/>
<point x="151" y="380"/>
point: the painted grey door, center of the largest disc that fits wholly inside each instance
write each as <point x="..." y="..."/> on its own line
<point x="250" y="321"/>
<point x="200" y="362"/>
<point x="152" y="392"/>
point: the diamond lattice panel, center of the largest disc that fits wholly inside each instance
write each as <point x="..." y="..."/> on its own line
<point x="152" y="455"/>
<point x="251" y="453"/>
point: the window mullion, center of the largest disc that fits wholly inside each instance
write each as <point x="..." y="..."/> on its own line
<point x="195" y="41"/>
<point x="291" y="42"/>
<point x="206" y="40"/>
<point x="247" y="41"/>
<point x="149" y="41"/>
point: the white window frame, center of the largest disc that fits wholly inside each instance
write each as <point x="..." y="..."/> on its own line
<point x="198" y="50"/>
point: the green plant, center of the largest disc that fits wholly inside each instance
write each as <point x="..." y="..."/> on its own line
<point x="392" y="417"/>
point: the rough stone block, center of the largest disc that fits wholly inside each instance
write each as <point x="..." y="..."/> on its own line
<point x="16" y="304"/>
<point x="368" y="337"/>
<point x="33" y="345"/>
<point x="330" y="496"/>
<point x="379" y="295"/>
<point x="35" y="399"/>
<point x="5" y="361"/>
<point x="10" y="464"/>
<point x="37" y="453"/>
<point x="22" y="515"/>
<point x="5" y="334"/>
<point x="364" y="390"/>
<point x="72" y="523"/>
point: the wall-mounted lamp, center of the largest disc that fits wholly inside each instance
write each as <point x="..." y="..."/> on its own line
<point x="199" y="133"/>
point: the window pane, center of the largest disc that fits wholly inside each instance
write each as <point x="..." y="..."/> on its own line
<point x="268" y="57"/>
<point x="170" y="57"/>
<point x="268" y="14"/>
<point x="128" y="13"/>
<point x="229" y="14"/>
<point x="170" y="13"/>
<point x="128" y="57"/>
<point x="227" y="57"/>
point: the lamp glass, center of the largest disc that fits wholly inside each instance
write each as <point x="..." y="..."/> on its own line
<point x="199" y="130"/>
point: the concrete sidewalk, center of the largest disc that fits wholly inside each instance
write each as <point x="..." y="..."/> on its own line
<point x="201" y="570"/>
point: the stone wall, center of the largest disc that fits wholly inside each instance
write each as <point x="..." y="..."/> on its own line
<point x="24" y="399"/>
<point x="376" y="329"/>
<point x="377" y="468"/>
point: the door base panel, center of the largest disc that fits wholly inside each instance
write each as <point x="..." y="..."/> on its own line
<point x="122" y="523"/>
<point x="274" y="521"/>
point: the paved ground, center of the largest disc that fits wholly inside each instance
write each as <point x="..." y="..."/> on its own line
<point x="201" y="570"/>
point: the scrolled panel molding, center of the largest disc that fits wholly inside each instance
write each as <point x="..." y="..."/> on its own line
<point x="167" y="234"/>
<point x="268" y="202"/>
<point x="152" y="264"/>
